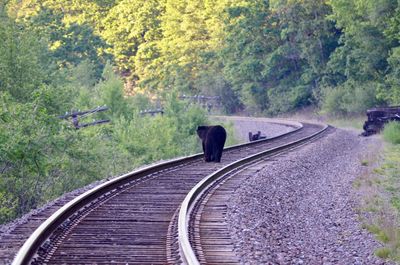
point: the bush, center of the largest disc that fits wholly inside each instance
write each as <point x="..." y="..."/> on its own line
<point x="332" y="100"/>
<point x="383" y="253"/>
<point x="391" y="132"/>
<point x="349" y="98"/>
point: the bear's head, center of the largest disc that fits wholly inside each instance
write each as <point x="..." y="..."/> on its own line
<point x="202" y="131"/>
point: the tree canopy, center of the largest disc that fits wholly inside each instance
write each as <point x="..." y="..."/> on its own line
<point x="269" y="56"/>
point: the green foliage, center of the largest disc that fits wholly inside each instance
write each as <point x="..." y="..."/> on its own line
<point x="245" y="50"/>
<point x="213" y="83"/>
<point x="391" y="132"/>
<point x="27" y="130"/>
<point x="131" y="27"/>
<point x="265" y="56"/>
<point x="349" y="97"/>
<point x="148" y="139"/>
<point x="274" y="57"/>
<point x="361" y="60"/>
<point x="383" y="253"/>
<point x="391" y="92"/>
<point x="382" y="198"/>
<point x="69" y="28"/>
<point x="111" y="93"/>
<point x="22" y="60"/>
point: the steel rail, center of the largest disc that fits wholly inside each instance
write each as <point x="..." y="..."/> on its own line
<point x="27" y="252"/>
<point x="186" y="251"/>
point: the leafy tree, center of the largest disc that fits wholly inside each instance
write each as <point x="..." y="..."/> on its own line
<point x="364" y="48"/>
<point x="70" y="32"/>
<point x="132" y="26"/>
<point x="191" y="35"/>
<point x="22" y="60"/>
<point x="391" y="91"/>
<point x="275" y="56"/>
<point x="250" y="38"/>
<point x="213" y="83"/>
<point x="111" y="93"/>
<point x="359" y="64"/>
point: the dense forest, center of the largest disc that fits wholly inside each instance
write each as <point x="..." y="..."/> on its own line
<point x="257" y="56"/>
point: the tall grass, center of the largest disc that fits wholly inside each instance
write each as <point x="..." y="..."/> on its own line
<point x="391" y="133"/>
<point x="381" y="195"/>
<point x="347" y="122"/>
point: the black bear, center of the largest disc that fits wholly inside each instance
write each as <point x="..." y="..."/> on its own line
<point x="213" y="140"/>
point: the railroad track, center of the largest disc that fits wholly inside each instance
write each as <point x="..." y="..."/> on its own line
<point x="133" y="219"/>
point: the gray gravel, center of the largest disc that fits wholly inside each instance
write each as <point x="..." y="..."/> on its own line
<point x="301" y="208"/>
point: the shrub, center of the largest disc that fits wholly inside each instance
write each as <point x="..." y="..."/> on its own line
<point x="350" y="97"/>
<point x="391" y="132"/>
<point x="332" y="100"/>
<point x="383" y="253"/>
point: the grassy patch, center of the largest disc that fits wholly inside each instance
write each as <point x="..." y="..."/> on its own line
<point x="391" y="133"/>
<point x="356" y="183"/>
<point x="381" y="202"/>
<point x="355" y="122"/>
<point x="383" y="253"/>
<point x="395" y="201"/>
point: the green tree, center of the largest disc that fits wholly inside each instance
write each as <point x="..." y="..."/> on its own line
<point x="69" y="27"/>
<point x="391" y="91"/>
<point x="132" y="27"/>
<point x="22" y="60"/>
<point x="360" y="62"/>
<point x="307" y="39"/>
<point x="251" y="37"/>
<point x="275" y="56"/>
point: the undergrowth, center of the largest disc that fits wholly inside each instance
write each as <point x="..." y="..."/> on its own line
<point x="354" y="122"/>
<point x="381" y="196"/>
<point x="391" y="133"/>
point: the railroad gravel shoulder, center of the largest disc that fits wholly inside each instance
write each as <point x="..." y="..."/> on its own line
<point x="301" y="209"/>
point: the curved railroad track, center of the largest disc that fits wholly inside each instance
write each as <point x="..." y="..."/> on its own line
<point x="132" y="219"/>
<point x="203" y="236"/>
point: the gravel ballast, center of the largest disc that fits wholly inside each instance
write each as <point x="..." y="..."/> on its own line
<point x="301" y="207"/>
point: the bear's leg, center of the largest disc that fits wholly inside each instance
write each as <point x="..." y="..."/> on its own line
<point x="212" y="154"/>
<point x="207" y="154"/>
<point x="219" y="153"/>
<point x="216" y="156"/>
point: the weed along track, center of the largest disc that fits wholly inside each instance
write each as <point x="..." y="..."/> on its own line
<point x="133" y="219"/>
